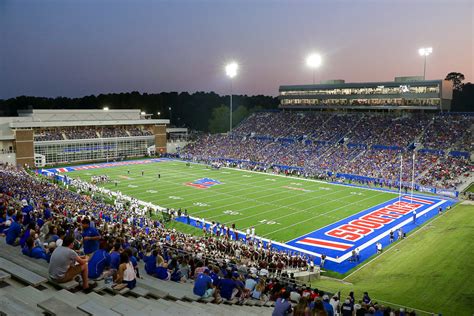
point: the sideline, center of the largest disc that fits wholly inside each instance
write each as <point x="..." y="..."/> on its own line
<point x="396" y="192"/>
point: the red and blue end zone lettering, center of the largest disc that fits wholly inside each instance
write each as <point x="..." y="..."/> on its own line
<point x="364" y="229"/>
<point x="204" y="183"/>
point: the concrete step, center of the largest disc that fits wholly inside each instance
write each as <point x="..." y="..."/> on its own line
<point x="53" y="306"/>
<point x="10" y="305"/>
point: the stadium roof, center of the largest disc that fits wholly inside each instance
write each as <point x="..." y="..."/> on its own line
<point x="360" y="85"/>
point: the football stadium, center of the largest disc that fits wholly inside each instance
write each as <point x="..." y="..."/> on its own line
<point x="338" y="198"/>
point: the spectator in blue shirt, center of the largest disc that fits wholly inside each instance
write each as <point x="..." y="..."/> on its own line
<point x="99" y="261"/>
<point x="327" y="307"/>
<point x="91" y="237"/>
<point x="26" y="211"/>
<point x="47" y="212"/>
<point x="366" y="299"/>
<point x="282" y="305"/>
<point x="162" y="272"/>
<point x="215" y="276"/>
<point x="115" y="257"/>
<point x="28" y="232"/>
<point x="203" y="285"/>
<point x="227" y="286"/>
<point x="13" y="233"/>
<point x="150" y="262"/>
<point x="30" y="250"/>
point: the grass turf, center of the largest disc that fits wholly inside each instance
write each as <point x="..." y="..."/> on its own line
<point x="471" y="188"/>
<point x="431" y="270"/>
<point x="280" y="208"/>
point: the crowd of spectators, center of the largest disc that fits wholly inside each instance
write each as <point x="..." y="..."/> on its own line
<point x="80" y="132"/>
<point x="369" y="145"/>
<point x="88" y="132"/>
<point x="449" y="131"/>
<point x="47" y="134"/>
<point x="136" y="131"/>
<point x="39" y="216"/>
<point x="113" y="131"/>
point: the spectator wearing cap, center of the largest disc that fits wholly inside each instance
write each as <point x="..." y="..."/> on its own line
<point x="327" y="307"/>
<point x="203" y="285"/>
<point x="26" y="210"/>
<point x="90" y="236"/>
<point x="347" y="308"/>
<point x="251" y="282"/>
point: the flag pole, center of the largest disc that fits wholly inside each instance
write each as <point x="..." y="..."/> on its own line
<point x="413" y="176"/>
<point x="400" y="180"/>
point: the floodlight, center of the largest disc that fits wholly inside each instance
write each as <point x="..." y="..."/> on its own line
<point x="314" y="61"/>
<point x="425" y="51"/>
<point x="106" y="108"/>
<point x="143" y="113"/>
<point x="231" y="69"/>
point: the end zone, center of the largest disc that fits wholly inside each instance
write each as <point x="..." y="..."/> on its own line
<point x="364" y="229"/>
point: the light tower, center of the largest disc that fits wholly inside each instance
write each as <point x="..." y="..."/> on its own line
<point x="425" y="52"/>
<point x="231" y="71"/>
<point x="313" y="61"/>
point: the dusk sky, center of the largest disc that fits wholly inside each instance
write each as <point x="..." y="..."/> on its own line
<point x="75" y="48"/>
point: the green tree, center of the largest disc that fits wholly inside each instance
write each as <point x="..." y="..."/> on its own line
<point x="238" y="115"/>
<point x="219" y="121"/>
<point x="456" y="78"/>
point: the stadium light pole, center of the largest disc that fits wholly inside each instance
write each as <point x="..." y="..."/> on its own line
<point x="169" y="108"/>
<point x="425" y="52"/>
<point x="313" y="61"/>
<point x="231" y="72"/>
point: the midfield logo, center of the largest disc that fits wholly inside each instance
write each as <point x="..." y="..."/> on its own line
<point x="204" y="183"/>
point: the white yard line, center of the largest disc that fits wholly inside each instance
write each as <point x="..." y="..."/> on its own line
<point x="319" y="215"/>
<point x="278" y="207"/>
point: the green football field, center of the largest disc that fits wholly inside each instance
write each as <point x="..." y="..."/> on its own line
<point x="280" y="208"/>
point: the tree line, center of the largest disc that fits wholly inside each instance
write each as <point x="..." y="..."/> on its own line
<point x="203" y="111"/>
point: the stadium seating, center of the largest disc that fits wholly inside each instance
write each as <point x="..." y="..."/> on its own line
<point x="363" y="144"/>
<point x="65" y="133"/>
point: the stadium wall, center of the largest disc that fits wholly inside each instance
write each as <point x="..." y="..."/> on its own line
<point x="24" y="147"/>
<point x="160" y="138"/>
